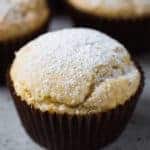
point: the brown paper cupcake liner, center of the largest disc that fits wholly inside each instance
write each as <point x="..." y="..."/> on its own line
<point x="8" y="48"/>
<point x="74" y="132"/>
<point x="133" y="33"/>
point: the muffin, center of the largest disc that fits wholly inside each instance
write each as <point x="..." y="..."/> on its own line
<point x="126" y="20"/>
<point x="74" y="89"/>
<point x="19" y="23"/>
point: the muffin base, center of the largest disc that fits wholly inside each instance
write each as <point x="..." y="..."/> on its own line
<point x="133" y="33"/>
<point x="8" y="48"/>
<point x="74" y="132"/>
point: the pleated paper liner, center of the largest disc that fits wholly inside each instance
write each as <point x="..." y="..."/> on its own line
<point x="7" y="49"/>
<point x="74" y="132"/>
<point x="133" y="33"/>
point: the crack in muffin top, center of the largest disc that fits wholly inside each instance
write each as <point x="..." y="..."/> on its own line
<point x="123" y="9"/>
<point x="76" y="70"/>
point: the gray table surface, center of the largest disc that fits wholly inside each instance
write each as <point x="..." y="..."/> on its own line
<point x="135" y="137"/>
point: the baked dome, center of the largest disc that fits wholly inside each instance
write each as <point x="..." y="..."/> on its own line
<point x="123" y="9"/>
<point x="74" y="71"/>
<point x="20" y="17"/>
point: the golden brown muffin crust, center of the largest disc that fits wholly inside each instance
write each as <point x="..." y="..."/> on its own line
<point x="114" y="9"/>
<point x="74" y="71"/>
<point x="20" y="17"/>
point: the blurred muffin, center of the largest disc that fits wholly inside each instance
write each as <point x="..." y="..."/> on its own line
<point x="126" y="20"/>
<point x="20" y="21"/>
<point x="74" y="89"/>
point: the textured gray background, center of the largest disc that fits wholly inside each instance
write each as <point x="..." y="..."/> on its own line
<point x="135" y="137"/>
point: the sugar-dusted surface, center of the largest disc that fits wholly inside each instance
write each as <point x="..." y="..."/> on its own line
<point x="135" y="137"/>
<point x="15" y="10"/>
<point x="119" y="8"/>
<point x="78" y="71"/>
<point x="19" y="17"/>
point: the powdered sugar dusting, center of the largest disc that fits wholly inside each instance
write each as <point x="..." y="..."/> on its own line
<point x="62" y="66"/>
<point x="15" y="9"/>
<point x="122" y="8"/>
<point x="115" y="3"/>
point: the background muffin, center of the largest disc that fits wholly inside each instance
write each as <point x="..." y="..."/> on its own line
<point x="79" y="85"/>
<point x="20" y="21"/>
<point x="126" y="20"/>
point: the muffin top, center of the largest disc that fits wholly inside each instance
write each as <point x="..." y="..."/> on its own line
<point x="114" y="9"/>
<point x="74" y="71"/>
<point x="20" y="17"/>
